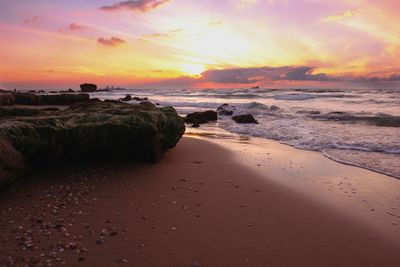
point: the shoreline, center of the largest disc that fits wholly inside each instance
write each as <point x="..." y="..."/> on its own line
<point x="208" y="203"/>
<point x="355" y="190"/>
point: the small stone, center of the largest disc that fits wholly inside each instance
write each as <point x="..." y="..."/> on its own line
<point x="196" y="264"/>
<point x="122" y="260"/>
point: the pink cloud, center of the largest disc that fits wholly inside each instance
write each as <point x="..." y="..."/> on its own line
<point x="74" y="27"/>
<point x="136" y="5"/>
<point x="34" y="20"/>
<point x="112" y="42"/>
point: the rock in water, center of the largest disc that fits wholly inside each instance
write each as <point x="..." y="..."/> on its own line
<point x="88" y="87"/>
<point x="201" y="117"/>
<point x="248" y="118"/>
<point x="126" y="98"/>
<point x="225" y="109"/>
<point x="92" y="130"/>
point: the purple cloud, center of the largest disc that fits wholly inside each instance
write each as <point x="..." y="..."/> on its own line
<point x="286" y="73"/>
<point x="34" y="20"/>
<point x="254" y="75"/>
<point x="135" y="5"/>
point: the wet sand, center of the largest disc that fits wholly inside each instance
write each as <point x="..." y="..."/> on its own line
<point x="208" y="203"/>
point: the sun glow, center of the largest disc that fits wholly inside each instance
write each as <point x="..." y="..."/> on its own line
<point x="193" y="69"/>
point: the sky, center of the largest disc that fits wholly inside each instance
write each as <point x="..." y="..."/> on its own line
<point x="47" y="44"/>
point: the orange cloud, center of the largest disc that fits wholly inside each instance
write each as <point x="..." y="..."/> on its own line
<point x="113" y="41"/>
<point x="135" y="5"/>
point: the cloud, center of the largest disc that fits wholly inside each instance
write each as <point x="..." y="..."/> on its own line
<point x="74" y="27"/>
<point x="34" y="20"/>
<point x="262" y="74"/>
<point x="286" y="73"/>
<point x="305" y="74"/>
<point x="135" y="5"/>
<point x="344" y="15"/>
<point x="246" y="3"/>
<point x="169" y="34"/>
<point x="112" y="42"/>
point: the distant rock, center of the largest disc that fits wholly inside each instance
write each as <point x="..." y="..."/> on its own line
<point x="88" y="87"/>
<point x="147" y="103"/>
<point x="126" y="98"/>
<point x="247" y="118"/>
<point x="6" y="99"/>
<point x="274" y="108"/>
<point x="225" y="109"/>
<point x="140" y="98"/>
<point x="92" y="130"/>
<point x="201" y="117"/>
<point x="36" y="100"/>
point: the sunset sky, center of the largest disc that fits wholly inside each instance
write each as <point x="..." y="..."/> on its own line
<point x="192" y="43"/>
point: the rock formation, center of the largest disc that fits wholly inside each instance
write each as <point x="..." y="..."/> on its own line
<point x="92" y="130"/>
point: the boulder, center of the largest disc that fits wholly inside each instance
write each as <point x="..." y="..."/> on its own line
<point x="225" y="109"/>
<point x="247" y="118"/>
<point x="201" y="117"/>
<point x="88" y="87"/>
<point x="87" y="131"/>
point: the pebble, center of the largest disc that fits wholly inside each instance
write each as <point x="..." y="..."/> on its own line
<point x="123" y="260"/>
<point x="196" y="264"/>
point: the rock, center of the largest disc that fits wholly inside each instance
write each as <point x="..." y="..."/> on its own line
<point x="88" y="87"/>
<point x="140" y="99"/>
<point x="92" y="130"/>
<point x="248" y="118"/>
<point x="33" y="99"/>
<point x="126" y="98"/>
<point x="147" y="103"/>
<point x="274" y="108"/>
<point x="201" y="117"/>
<point x="225" y="109"/>
<point x="6" y="99"/>
<point x="17" y="112"/>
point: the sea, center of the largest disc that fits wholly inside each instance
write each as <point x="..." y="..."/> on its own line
<point x="359" y="127"/>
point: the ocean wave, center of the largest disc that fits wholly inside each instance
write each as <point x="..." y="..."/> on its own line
<point x="299" y="97"/>
<point x="381" y="120"/>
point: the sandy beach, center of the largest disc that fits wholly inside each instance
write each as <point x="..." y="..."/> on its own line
<point x="210" y="202"/>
